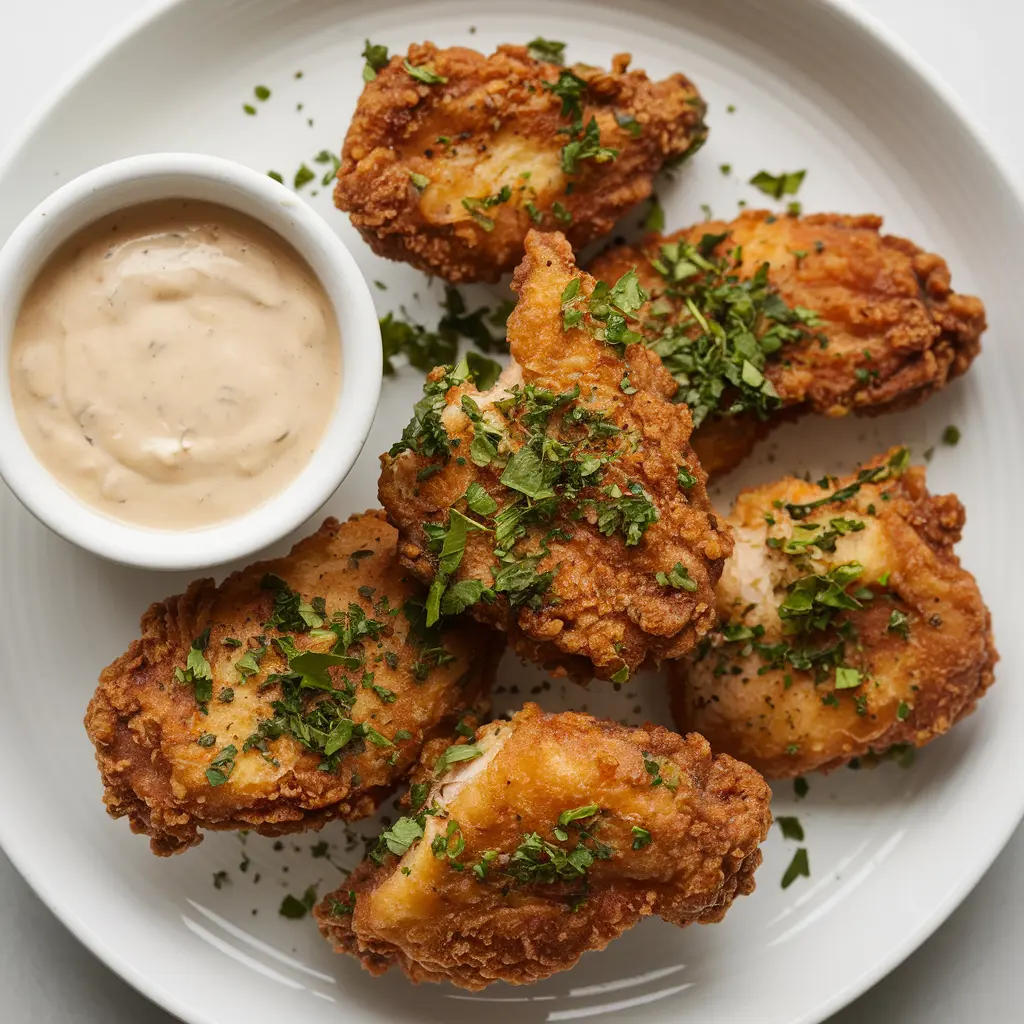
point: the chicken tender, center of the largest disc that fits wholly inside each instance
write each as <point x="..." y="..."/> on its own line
<point x="452" y="156"/>
<point x="767" y="318"/>
<point x="550" y="836"/>
<point x="299" y="690"/>
<point x="564" y="505"/>
<point x="850" y="627"/>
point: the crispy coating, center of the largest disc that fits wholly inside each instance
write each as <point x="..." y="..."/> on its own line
<point x="780" y="719"/>
<point x="492" y="125"/>
<point x="146" y="726"/>
<point x="705" y="822"/>
<point x="604" y="612"/>
<point x="896" y="331"/>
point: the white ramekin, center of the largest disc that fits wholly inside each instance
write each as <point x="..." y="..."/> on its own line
<point x="192" y="176"/>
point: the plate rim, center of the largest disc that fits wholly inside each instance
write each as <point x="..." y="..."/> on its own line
<point x="895" y="48"/>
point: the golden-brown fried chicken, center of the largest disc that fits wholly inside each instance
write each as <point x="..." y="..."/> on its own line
<point x="563" y="506"/>
<point x="452" y="156"/>
<point x="298" y="691"/>
<point x="851" y="627"/>
<point x="886" y="332"/>
<point x="551" y="836"/>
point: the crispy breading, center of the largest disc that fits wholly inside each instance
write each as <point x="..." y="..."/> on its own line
<point x="493" y="909"/>
<point x="892" y="330"/>
<point x="921" y="643"/>
<point x="603" y="611"/>
<point x="147" y="726"/>
<point x="493" y="125"/>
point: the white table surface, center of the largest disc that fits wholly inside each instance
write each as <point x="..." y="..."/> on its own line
<point x="969" y="970"/>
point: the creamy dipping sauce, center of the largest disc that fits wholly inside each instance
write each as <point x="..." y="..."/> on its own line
<point x="175" y="364"/>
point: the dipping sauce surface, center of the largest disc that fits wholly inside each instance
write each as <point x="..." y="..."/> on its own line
<point x="175" y="364"/>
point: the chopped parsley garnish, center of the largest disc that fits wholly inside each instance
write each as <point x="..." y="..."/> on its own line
<point x="586" y="147"/>
<point x="310" y="708"/>
<point x="892" y="467"/>
<point x="419" y="181"/>
<point x="476" y="206"/>
<point x="425" y="433"/>
<point x="584" y="141"/>
<point x="426" y="349"/>
<point x="376" y="58"/>
<point x="342" y="908"/>
<point x="451" y="545"/>
<point x="847" y="678"/>
<point x="655" y="768"/>
<point x="418" y="795"/>
<point x="806" y="535"/>
<point x="799" y="866"/>
<point x="723" y="331"/>
<point x="288" y="615"/>
<point x="898" y="624"/>
<point x="791" y="827"/>
<point x="903" y="710"/>
<point x="207" y="739"/>
<point x="539" y="862"/>
<point x="303" y="176"/>
<point x="398" y="839"/>
<point x="546" y="50"/>
<point x="479" y="501"/>
<point x="222" y="766"/>
<point x="576" y="814"/>
<point x="197" y="672"/>
<point x="561" y="213"/>
<point x="655" y="219"/>
<point x="449" y="844"/>
<point x="787" y="183"/>
<point x="641" y="837"/>
<point x="424" y="74"/>
<point x="297" y="907"/>
<point x="628" y="513"/>
<point x="685" y="478"/>
<point x="951" y="435"/>
<point x="325" y="156"/>
<point x="262" y="93"/>
<point x="678" y="577"/>
<point x="455" y="754"/>
<point x="569" y="88"/>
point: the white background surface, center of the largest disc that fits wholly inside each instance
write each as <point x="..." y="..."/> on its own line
<point x="969" y="969"/>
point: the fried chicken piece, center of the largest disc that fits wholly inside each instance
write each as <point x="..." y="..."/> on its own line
<point x="889" y="329"/>
<point x="556" y="835"/>
<point x="551" y="503"/>
<point x="853" y="628"/>
<point x="220" y="718"/>
<point x="450" y="176"/>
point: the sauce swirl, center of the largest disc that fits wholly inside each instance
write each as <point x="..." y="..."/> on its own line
<point x="175" y="364"/>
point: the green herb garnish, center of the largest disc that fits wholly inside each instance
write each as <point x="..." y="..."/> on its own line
<point x="222" y="766"/>
<point x="799" y="866"/>
<point x="786" y="183"/>
<point x="791" y="827"/>
<point x="424" y="74"/>
<point x="297" y="907"/>
<point x="546" y="50"/>
<point x="376" y="58"/>
<point x="678" y="577"/>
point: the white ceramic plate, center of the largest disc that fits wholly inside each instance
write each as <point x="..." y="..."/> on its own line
<point x="892" y="852"/>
